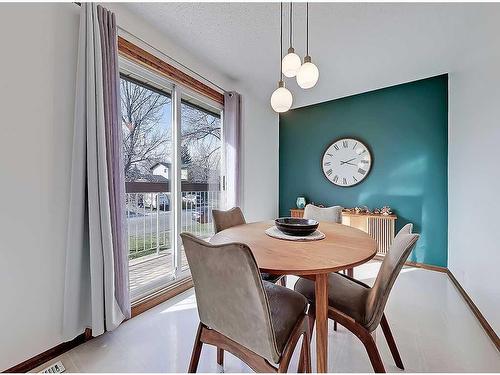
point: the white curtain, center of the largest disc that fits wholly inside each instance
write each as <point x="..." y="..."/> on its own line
<point x="232" y="138"/>
<point x="89" y="298"/>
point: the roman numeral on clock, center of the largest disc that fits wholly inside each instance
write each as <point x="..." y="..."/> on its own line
<point x="336" y="178"/>
<point x="336" y="147"/>
<point x="344" y="181"/>
<point x="354" y="178"/>
<point x="329" y="172"/>
<point x="327" y="163"/>
<point x="345" y="144"/>
<point x="362" y="171"/>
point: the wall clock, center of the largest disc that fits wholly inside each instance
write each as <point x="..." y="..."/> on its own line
<point x="346" y="162"/>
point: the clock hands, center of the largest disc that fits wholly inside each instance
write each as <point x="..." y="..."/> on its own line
<point x="347" y="162"/>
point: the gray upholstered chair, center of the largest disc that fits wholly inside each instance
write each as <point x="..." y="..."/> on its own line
<point x="360" y="308"/>
<point x="327" y="214"/>
<point x="230" y="218"/>
<point x="257" y="321"/>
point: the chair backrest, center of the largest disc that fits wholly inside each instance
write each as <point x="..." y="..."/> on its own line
<point x="403" y="244"/>
<point x="230" y="295"/>
<point x="227" y="219"/>
<point x="326" y="214"/>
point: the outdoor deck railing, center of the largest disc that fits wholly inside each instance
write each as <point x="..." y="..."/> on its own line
<point x="150" y="218"/>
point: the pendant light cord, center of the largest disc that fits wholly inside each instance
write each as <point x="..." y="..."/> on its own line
<point x="291" y="23"/>
<point x="281" y="39"/>
<point x="307" y="29"/>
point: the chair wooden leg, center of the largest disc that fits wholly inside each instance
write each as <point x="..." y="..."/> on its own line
<point x="303" y="366"/>
<point x="365" y="337"/>
<point x="312" y="319"/>
<point x="350" y="272"/>
<point x="195" y="355"/>
<point x="390" y="341"/>
<point x="220" y="357"/>
<point x="253" y="360"/>
<point x="334" y="325"/>
<point x="300" y="329"/>
<point x="373" y="354"/>
<point x="305" y="354"/>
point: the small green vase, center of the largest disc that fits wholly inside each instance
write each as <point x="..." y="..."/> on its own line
<point x="301" y="202"/>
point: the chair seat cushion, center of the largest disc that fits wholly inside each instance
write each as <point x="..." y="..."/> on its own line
<point x="270" y="277"/>
<point x="344" y="294"/>
<point x="287" y="307"/>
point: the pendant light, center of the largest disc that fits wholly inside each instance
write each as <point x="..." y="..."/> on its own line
<point x="281" y="99"/>
<point x="291" y="62"/>
<point x="308" y="74"/>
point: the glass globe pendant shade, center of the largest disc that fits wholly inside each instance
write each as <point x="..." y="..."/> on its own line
<point x="308" y="74"/>
<point x="291" y="63"/>
<point x="281" y="99"/>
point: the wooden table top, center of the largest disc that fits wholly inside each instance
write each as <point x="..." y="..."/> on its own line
<point x="344" y="247"/>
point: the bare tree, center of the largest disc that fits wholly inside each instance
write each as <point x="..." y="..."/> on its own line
<point x="144" y="142"/>
<point x="201" y="133"/>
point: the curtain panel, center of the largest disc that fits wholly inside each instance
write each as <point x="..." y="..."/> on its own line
<point x="96" y="280"/>
<point x="232" y="138"/>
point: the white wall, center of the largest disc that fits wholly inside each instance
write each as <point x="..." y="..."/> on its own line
<point x="474" y="172"/>
<point x="37" y="85"/>
<point x="36" y="89"/>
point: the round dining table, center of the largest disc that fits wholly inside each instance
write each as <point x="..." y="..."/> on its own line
<point x="342" y="248"/>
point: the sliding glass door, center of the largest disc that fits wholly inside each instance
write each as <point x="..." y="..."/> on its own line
<point x="201" y="165"/>
<point x="172" y="149"/>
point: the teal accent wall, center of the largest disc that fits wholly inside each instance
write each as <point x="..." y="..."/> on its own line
<point x="406" y="129"/>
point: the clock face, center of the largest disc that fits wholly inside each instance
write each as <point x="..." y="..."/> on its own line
<point x="346" y="162"/>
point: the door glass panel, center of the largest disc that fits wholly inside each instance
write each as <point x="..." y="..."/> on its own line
<point x="147" y="153"/>
<point x="201" y="164"/>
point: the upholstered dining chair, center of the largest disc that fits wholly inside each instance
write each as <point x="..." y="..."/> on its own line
<point x="230" y="218"/>
<point x="257" y="321"/>
<point x="327" y="214"/>
<point x="360" y="308"/>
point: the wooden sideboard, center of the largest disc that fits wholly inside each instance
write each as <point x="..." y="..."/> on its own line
<point x="380" y="227"/>
<point x="297" y="212"/>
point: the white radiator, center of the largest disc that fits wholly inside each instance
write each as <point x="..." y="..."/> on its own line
<point x="382" y="230"/>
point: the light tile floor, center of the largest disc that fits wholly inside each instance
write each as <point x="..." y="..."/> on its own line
<point x="433" y="327"/>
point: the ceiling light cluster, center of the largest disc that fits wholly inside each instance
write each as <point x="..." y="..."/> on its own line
<point x="306" y="74"/>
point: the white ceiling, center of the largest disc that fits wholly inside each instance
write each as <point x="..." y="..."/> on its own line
<point x="357" y="46"/>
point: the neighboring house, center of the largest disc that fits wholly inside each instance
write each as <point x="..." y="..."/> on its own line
<point x="164" y="169"/>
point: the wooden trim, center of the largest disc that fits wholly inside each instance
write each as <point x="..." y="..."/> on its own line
<point x="480" y="317"/>
<point x="137" y="54"/>
<point x="428" y="267"/>
<point x="50" y="354"/>
<point x="161" y="296"/>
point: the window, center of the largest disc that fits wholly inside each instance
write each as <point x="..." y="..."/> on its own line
<point x="172" y="149"/>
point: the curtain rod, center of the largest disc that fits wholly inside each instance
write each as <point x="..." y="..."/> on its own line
<point x="169" y="57"/>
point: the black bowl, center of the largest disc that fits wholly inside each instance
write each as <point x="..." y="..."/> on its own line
<point x="296" y="226"/>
